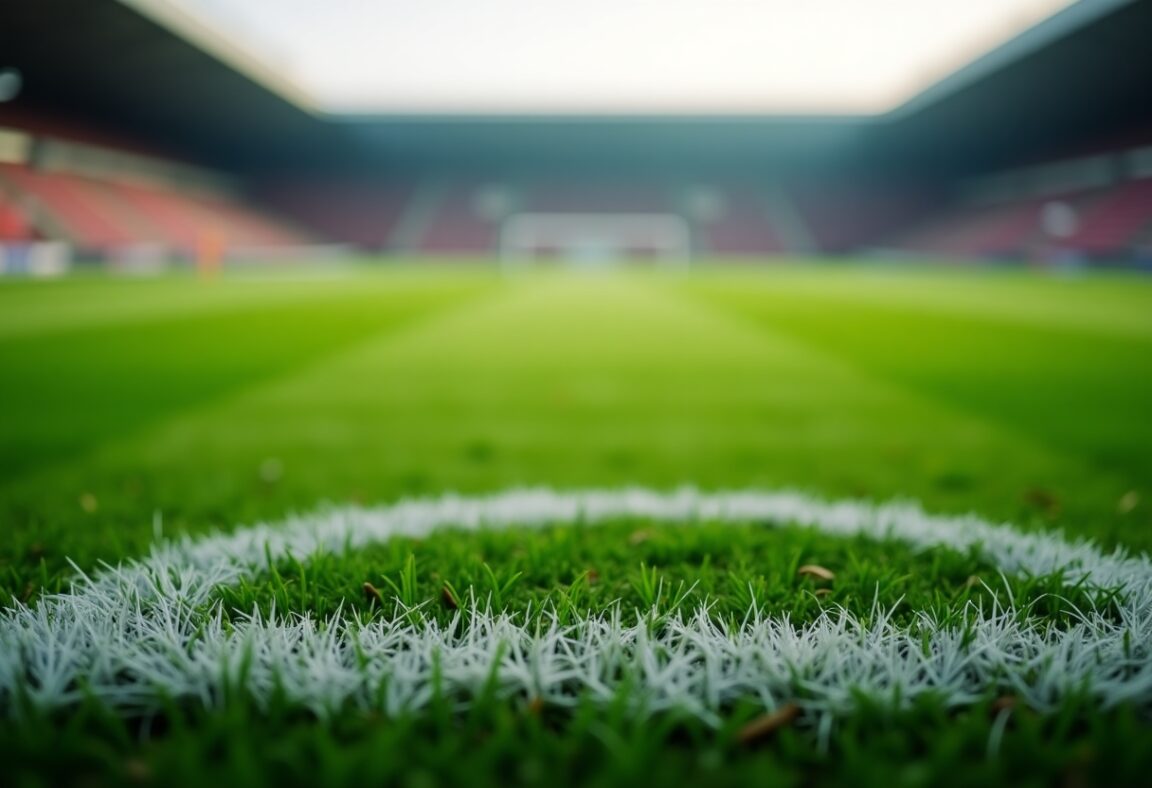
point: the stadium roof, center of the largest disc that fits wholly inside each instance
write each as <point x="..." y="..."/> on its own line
<point x="641" y="57"/>
<point x="149" y="69"/>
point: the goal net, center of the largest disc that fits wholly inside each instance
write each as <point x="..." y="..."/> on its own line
<point x="595" y="238"/>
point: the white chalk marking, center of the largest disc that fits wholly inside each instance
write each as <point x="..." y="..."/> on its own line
<point x="131" y="635"/>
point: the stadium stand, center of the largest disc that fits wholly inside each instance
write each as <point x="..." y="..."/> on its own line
<point x="236" y="155"/>
<point x="464" y="217"/>
<point x="107" y="201"/>
<point x="75" y="210"/>
<point x="14" y="225"/>
<point x="1114" y="221"/>
<point x="843" y="217"/>
<point x="103" y="216"/>
<point x="456" y="224"/>
<point x="579" y="196"/>
<point x="1106" y="223"/>
<point x="743" y="226"/>
<point x="363" y="214"/>
<point x="977" y="231"/>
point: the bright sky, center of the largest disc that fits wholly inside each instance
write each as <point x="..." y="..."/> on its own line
<point x="617" y="56"/>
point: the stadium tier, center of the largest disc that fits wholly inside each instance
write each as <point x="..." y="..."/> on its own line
<point x="843" y="217"/>
<point x="1092" y="208"/>
<point x="742" y="224"/>
<point x="356" y="212"/>
<point x="578" y="196"/>
<point x="112" y="203"/>
<point x="108" y="202"/>
<point x="979" y="231"/>
<point x="214" y="152"/>
<point x="1107" y="224"/>
<point x="14" y="224"/>
<point x="1115" y="220"/>
<point x="103" y="216"/>
<point x="67" y="207"/>
<point x="453" y="222"/>
<point x="440" y="216"/>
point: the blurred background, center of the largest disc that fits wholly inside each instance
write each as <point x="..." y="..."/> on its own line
<point x="142" y="135"/>
<point x="252" y="253"/>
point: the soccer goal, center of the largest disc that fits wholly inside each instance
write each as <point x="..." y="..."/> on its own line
<point x="595" y="239"/>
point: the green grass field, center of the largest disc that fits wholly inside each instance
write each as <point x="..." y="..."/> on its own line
<point x="132" y="410"/>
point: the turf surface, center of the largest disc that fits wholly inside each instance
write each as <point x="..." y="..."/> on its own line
<point x="174" y="406"/>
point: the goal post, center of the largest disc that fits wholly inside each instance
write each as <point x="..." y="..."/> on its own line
<point x="595" y="238"/>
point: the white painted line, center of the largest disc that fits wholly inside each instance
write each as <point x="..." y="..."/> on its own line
<point x="149" y="629"/>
